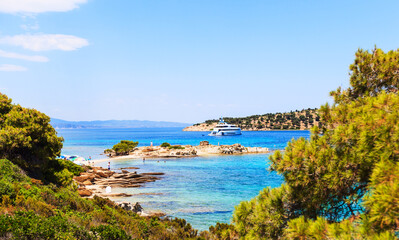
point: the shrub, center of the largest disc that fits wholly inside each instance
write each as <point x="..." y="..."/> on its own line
<point x="61" y="171"/>
<point x="222" y="231"/>
<point x="176" y="147"/>
<point x="165" y="144"/>
<point x="106" y="151"/>
<point x="124" y="147"/>
<point x="28" y="225"/>
<point x="108" y="232"/>
<point x="26" y="137"/>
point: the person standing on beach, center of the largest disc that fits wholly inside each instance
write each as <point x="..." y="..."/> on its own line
<point x="109" y="165"/>
<point x="151" y="144"/>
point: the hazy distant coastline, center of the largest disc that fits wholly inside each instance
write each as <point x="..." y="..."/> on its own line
<point x="63" y="124"/>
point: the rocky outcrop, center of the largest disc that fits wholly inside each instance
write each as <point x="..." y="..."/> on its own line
<point x="137" y="208"/>
<point x="233" y="149"/>
<point x="83" y="192"/>
<point x="131" y="207"/>
<point x="97" y="179"/>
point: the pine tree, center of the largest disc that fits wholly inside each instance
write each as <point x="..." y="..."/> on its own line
<point x="343" y="183"/>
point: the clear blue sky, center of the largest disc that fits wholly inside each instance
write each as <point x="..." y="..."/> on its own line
<point x="184" y="61"/>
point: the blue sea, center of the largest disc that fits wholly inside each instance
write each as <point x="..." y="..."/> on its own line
<point x="202" y="190"/>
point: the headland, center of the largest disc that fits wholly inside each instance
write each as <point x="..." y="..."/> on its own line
<point x="295" y="120"/>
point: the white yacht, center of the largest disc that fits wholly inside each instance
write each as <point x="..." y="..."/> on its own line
<point x="225" y="129"/>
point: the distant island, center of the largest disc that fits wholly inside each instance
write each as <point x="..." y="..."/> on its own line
<point x="294" y="120"/>
<point x="63" y="124"/>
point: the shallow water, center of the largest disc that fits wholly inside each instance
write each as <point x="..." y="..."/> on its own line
<point x="202" y="190"/>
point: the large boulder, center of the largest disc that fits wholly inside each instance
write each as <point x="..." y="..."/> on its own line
<point x="83" y="192"/>
<point x="102" y="174"/>
<point x="81" y="178"/>
<point x="137" y="208"/>
<point x="86" y="183"/>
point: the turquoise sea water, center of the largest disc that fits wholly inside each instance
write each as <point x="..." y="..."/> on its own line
<point x="202" y="190"/>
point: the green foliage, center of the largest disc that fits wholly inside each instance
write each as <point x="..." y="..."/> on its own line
<point x="11" y="172"/>
<point x="165" y="144"/>
<point x="343" y="183"/>
<point x="335" y="167"/>
<point x="28" y="225"/>
<point x="371" y="73"/>
<point x="108" y="150"/>
<point x="221" y="231"/>
<point x="302" y="228"/>
<point x="110" y="233"/>
<point x="5" y="106"/>
<point x="32" y="210"/>
<point x="74" y="168"/>
<point x="183" y="229"/>
<point x="26" y="137"/>
<point x="124" y="147"/>
<point x="61" y="171"/>
<point x="176" y="147"/>
<point x="263" y="216"/>
<point x="383" y="198"/>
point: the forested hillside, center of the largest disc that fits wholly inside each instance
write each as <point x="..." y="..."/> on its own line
<point x="294" y="120"/>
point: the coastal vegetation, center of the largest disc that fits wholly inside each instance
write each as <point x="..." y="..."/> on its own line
<point x="293" y="120"/>
<point x="169" y="146"/>
<point x="124" y="147"/>
<point x="165" y="144"/>
<point x="39" y="199"/>
<point x="176" y="147"/>
<point x="27" y="138"/>
<point x="343" y="182"/>
<point x="30" y="209"/>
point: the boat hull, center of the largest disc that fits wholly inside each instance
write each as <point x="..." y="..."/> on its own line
<point x="225" y="133"/>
